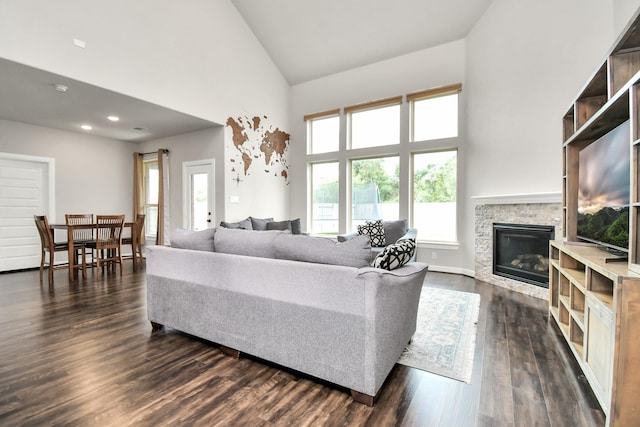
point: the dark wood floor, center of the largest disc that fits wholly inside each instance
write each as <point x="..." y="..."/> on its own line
<point x="83" y="354"/>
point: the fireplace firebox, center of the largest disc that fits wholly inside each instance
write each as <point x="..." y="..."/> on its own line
<point x="521" y="252"/>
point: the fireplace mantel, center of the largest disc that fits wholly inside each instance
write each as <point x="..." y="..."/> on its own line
<point x="525" y="198"/>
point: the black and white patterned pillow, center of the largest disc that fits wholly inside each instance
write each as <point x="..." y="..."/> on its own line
<point x="396" y="255"/>
<point x="375" y="231"/>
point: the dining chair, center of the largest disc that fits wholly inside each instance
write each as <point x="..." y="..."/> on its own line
<point x="48" y="246"/>
<point x="136" y="244"/>
<point x="82" y="237"/>
<point x="108" y="245"/>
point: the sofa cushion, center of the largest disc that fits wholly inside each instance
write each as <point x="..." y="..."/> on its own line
<point x="353" y="253"/>
<point x="202" y="240"/>
<point x="244" y="242"/>
<point x="260" y="224"/>
<point x="375" y="231"/>
<point x="393" y="230"/>
<point x="245" y="224"/>
<point x="395" y="255"/>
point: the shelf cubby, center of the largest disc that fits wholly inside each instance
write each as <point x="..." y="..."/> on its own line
<point x="623" y="66"/>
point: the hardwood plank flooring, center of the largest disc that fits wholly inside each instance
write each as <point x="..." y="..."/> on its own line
<point x="82" y="353"/>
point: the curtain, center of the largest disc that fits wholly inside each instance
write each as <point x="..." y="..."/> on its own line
<point x="162" y="236"/>
<point x="138" y="188"/>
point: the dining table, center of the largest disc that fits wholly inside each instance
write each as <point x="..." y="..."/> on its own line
<point x="71" y="227"/>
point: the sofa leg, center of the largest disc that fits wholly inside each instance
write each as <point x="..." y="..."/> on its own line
<point x="365" y="399"/>
<point x="156" y="326"/>
<point x="227" y="351"/>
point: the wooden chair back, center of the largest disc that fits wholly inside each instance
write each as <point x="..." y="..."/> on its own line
<point x="81" y="235"/>
<point x="109" y="231"/>
<point x="46" y="237"/>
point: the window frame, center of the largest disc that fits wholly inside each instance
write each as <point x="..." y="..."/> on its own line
<point x="310" y="118"/>
<point x="370" y="106"/>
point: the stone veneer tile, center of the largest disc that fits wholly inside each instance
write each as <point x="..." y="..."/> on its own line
<point x="527" y="214"/>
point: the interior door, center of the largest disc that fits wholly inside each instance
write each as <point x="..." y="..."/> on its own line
<point x="198" y="194"/>
<point x="25" y="190"/>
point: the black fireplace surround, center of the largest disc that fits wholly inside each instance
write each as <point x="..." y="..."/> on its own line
<point x="521" y="252"/>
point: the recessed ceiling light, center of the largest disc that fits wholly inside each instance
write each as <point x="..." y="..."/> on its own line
<point x="86" y="127"/>
<point x="113" y="118"/>
<point x="60" y="88"/>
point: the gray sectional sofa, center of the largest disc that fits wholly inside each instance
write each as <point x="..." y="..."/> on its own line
<point x="306" y="303"/>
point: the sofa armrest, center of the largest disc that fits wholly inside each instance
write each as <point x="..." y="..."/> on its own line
<point x="411" y="233"/>
<point x="348" y="236"/>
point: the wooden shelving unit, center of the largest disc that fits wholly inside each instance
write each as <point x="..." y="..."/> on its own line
<point x="595" y="302"/>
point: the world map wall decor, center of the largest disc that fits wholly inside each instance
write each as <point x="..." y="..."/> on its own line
<point x="256" y="141"/>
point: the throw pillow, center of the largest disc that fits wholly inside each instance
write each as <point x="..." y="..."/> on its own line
<point x="260" y="223"/>
<point x="245" y="224"/>
<point x="375" y="231"/>
<point x="321" y="250"/>
<point x="396" y="255"/>
<point x="394" y="230"/>
<point x="279" y="225"/>
<point x="296" y="228"/>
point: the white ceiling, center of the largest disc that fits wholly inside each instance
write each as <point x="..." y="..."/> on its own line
<point x="311" y="39"/>
<point x="306" y="40"/>
<point x="27" y="95"/>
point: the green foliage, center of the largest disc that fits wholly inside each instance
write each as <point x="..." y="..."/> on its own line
<point x="607" y="225"/>
<point x="436" y="183"/>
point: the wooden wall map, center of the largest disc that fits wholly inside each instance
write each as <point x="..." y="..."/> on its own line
<point x="258" y="142"/>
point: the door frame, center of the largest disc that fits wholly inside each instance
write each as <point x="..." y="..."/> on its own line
<point x="186" y="184"/>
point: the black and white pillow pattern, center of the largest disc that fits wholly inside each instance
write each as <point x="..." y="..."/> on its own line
<point x="396" y="255"/>
<point x="375" y="231"/>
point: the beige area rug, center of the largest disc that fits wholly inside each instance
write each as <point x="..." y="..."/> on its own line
<point x="445" y="339"/>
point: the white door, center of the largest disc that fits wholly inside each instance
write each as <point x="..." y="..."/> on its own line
<point x="198" y="194"/>
<point x="25" y="190"/>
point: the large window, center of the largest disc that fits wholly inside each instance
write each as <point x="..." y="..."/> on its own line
<point x="434" y="113"/>
<point x="323" y="132"/>
<point x="434" y="195"/>
<point x="325" y="209"/>
<point x="396" y="158"/>
<point x="374" y="189"/>
<point x="374" y="124"/>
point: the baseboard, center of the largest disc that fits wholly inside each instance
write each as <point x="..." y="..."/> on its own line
<point x="452" y="270"/>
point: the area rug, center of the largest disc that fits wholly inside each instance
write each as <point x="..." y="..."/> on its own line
<point x="445" y="338"/>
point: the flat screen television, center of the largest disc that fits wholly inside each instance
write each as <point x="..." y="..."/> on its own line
<point x="603" y="190"/>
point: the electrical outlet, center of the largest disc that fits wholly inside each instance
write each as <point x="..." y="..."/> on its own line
<point x="434" y="255"/>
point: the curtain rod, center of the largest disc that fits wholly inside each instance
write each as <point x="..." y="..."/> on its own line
<point x="164" y="150"/>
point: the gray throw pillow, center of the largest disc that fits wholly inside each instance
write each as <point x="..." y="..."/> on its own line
<point x="279" y="225"/>
<point x="296" y="228"/>
<point x="243" y="242"/>
<point x="202" y="240"/>
<point x="260" y="224"/>
<point x="352" y="253"/>
<point x="245" y="224"/>
<point x="393" y="230"/>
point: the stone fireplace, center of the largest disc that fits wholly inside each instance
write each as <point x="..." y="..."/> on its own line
<point x="538" y="210"/>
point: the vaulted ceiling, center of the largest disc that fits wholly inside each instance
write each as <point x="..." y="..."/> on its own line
<point x="311" y="39"/>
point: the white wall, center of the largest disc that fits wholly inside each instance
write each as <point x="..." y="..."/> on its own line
<point x="526" y="62"/>
<point x="204" y="144"/>
<point x="198" y="57"/>
<point x="93" y="174"/>
<point x="623" y="10"/>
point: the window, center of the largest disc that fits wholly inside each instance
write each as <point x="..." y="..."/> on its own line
<point x="325" y="201"/>
<point x="391" y="161"/>
<point x="323" y="132"/>
<point x="434" y="113"/>
<point x="374" y="124"/>
<point x="151" y="189"/>
<point x="434" y="195"/>
<point x="375" y="189"/>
